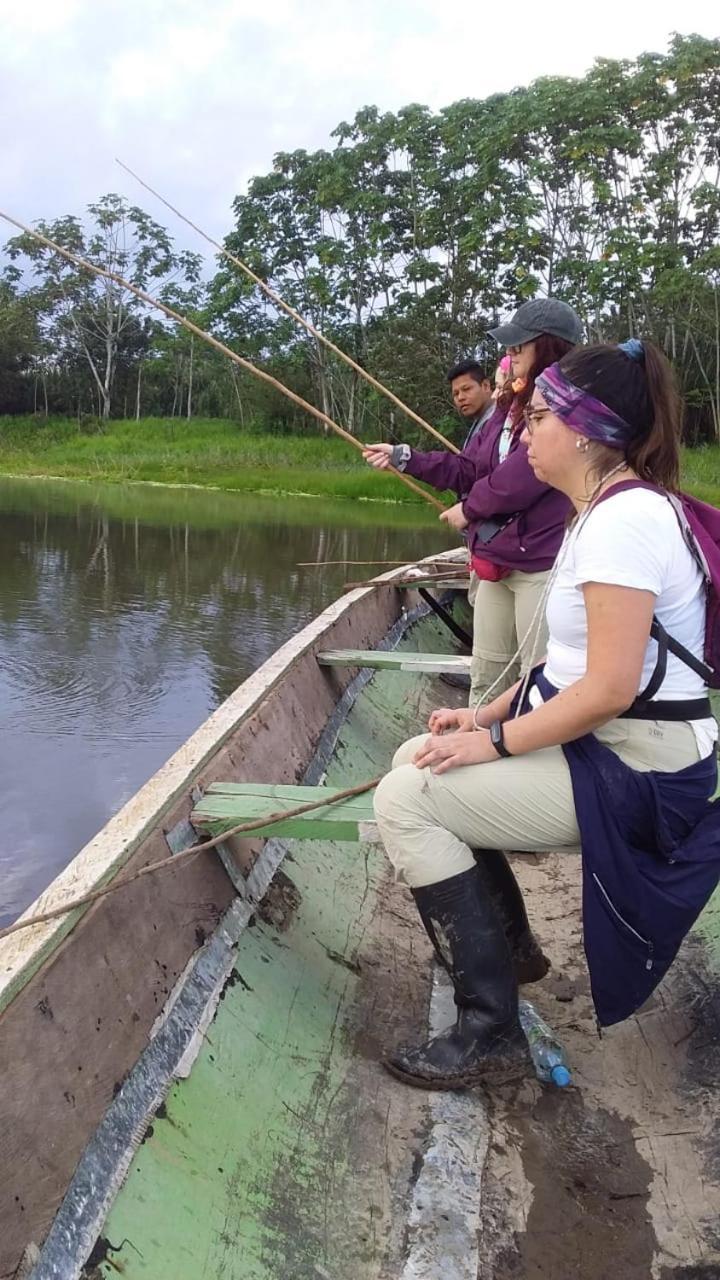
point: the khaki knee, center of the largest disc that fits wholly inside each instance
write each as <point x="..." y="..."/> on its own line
<point x="398" y="793"/>
<point x="419" y="848"/>
<point x="405" y="753"/>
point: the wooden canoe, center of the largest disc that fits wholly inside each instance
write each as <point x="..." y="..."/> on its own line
<point x="190" y="1085"/>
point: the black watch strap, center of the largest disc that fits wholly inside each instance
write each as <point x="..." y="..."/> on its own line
<point x="497" y="737"/>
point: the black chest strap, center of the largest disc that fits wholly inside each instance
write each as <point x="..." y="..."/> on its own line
<point x="691" y="709"/>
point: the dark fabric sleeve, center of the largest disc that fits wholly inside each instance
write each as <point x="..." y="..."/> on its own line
<point x="443" y="470"/>
<point x="510" y="486"/>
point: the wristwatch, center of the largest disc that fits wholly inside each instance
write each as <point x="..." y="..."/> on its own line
<point x="497" y="738"/>
<point x="400" y="456"/>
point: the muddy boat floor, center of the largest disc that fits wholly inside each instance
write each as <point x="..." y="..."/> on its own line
<point x="289" y="1153"/>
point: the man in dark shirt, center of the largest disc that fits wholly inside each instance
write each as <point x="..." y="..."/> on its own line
<point x="472" y="393"/>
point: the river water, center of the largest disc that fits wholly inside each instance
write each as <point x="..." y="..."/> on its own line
<point x="127" y="614"/>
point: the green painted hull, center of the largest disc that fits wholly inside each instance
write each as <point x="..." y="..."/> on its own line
<point x="273" y="1158"/>
<point x="286" y="1152"/>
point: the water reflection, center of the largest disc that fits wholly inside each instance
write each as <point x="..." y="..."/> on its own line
<point x="126" y="617"/>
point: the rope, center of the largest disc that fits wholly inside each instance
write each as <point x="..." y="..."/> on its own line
<point x="184" y="856"/>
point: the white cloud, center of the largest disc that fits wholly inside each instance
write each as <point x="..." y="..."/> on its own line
<point x="167" y="65"/>
<point x="22" y="23"/>
<point x="198" y="96"/>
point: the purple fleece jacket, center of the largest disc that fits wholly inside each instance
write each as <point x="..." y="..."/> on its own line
<point x="489" y="488"/>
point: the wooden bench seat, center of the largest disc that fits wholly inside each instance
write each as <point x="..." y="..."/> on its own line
<point x="460" y="583"/>
<point x="227" y="804"/>
<point x="397" y="660"/>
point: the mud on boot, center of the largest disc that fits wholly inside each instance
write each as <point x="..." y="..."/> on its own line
<point x="486" y="1044"/>
<point x="497" y="879"/>
<point x="464" y="1055"/>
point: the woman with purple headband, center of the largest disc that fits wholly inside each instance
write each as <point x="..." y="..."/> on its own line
<point x="608" y="746"/>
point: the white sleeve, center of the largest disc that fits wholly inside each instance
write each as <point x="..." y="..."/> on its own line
<point x="623" y="545"/>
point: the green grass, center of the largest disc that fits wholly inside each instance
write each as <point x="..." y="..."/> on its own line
<point x="200" y="452"/>
<point x="218" y="453"/>
<point x="701" y="473"/>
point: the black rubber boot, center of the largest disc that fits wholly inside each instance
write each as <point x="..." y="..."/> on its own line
<point x="497" y="879"/>
<point x="486" y="1044"/>
<point x="456" y="680"/>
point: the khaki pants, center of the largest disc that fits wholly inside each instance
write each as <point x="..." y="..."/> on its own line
<point x="502" y="614"/>
<point x="429" y="824"/>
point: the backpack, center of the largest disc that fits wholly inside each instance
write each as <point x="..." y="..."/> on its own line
<point x="700" y="527"/>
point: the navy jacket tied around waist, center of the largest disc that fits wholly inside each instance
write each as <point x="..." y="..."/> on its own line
<point x="650" y="860"/>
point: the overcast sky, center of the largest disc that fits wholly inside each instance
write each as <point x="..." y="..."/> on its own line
<point x="199" y="96"/>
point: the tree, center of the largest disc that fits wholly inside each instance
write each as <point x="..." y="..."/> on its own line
<point x="87" y="314"/>
<point x="19" y="347"/>
<point x="404" y="241"/>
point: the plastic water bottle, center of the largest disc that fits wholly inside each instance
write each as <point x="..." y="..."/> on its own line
<point x="547" y="1054"/>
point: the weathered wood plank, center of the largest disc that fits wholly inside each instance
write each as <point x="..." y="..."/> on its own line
<point x="226" y="805"/>
<point x="282" y="791"/>
<point x="396" y="660"/>
<point x="287" y="1152"/>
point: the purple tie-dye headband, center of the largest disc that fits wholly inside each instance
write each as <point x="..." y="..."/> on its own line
<point x="585" y="413"/>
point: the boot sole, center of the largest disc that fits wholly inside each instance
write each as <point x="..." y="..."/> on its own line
<point x="496" y="1074"/>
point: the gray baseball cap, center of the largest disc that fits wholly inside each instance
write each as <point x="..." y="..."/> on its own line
<point x="542" y="315"/>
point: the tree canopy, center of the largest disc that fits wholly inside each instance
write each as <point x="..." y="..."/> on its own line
<point x="404" y="241"/>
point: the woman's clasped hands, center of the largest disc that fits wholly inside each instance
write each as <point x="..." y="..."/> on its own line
<point x="452" y="741"/>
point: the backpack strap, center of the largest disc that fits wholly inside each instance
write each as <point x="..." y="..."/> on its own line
<point x="666" y="643"/>
<point x="643" y="708"/>
<point x="659" y="709"/>
<point x="658" y="633"/>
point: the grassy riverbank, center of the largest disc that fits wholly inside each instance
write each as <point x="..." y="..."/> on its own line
<point x="218" y="453"/>
<point x="213" y="453"/>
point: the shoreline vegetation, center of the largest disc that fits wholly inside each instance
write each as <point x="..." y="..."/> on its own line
<point x="207" y="453"/>
<point x="216" y="453"/>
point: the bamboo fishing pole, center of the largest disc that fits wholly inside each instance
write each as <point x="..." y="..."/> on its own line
<point x="213" y="342"/>
<point x="280" y="302"/>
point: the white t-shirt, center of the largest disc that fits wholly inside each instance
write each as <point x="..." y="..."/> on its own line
<point x="632" y="539"/>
